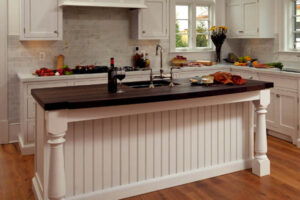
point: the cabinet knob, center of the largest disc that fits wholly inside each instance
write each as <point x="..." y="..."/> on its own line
<point x="143" y="32"/>
<point x="241" y="31"/>
<point x="56" y="32"/>
<point x="277" y="95"/>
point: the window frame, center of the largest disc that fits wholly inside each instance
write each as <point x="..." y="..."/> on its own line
<point x="193" y="4"/>
<point x="292" y="28"/>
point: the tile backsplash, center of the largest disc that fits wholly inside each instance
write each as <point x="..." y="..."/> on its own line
<point x="91" y="36"/>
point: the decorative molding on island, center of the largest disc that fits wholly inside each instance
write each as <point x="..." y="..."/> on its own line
<point x="114" y="152"/>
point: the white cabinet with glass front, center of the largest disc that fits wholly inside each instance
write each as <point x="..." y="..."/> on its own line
<point x="250" y="18"/>
<point x="190" y="21"/>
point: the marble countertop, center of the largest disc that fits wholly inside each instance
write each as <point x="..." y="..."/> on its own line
<point x="23" y="77"/>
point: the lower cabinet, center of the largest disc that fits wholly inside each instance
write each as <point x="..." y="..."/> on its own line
<point x="282" y="116"/>
<point x="283" y="113"/>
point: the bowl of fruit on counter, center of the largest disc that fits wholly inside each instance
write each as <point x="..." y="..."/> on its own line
<point x="65" y="70"/>
<point x="240" y="61"/>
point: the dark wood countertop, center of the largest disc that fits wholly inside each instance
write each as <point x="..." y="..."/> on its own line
<point x="76" y="97"/>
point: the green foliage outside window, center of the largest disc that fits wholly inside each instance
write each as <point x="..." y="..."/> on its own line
<point x="201" y="40"/>
<point x="179" y="41"/>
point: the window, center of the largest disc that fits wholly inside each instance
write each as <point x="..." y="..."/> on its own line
<point x="296" y="24"/>
<point x="191" y="26"/>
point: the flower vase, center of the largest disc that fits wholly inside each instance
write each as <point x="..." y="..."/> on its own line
<point x="218" y="41"/>
<point x="218" y="53"/>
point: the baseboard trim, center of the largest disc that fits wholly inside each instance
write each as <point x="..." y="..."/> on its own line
<point x="27" y="149"/>
<point x="280" y="136"/>
<point x="36" y="187"/>
<point x="298" y="143"/>
<point x="13" y="132"/>
<point x="158" y="183"/>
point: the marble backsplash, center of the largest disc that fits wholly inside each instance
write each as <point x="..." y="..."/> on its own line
<point x="91" y="36"/>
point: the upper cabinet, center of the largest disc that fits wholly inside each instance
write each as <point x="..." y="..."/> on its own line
<point x="40" y="20"/>
<point x="152" y="22"/>
<point x="250" y="18"/>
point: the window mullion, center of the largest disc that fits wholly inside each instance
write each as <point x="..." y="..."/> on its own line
<point x="193" y="26"/>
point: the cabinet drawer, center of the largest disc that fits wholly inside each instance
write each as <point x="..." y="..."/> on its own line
<point x="39" y="85"/>
<point x="279" y="82"/>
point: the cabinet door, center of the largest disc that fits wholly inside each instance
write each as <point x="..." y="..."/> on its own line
<point x="250" y="18"/>
<point x="41" y="20"/>
<point x="234" y="18"/>
<point x="273" y="112"/>
<point x="153" y="21"/>
<point x="288" y="110"/>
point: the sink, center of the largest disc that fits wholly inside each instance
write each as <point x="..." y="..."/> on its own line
<point x="146" y="84"/>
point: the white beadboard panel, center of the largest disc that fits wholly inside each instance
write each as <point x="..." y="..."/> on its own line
<point x="69" y="157"/>
<point x="221" y="134"/>
<point x="98" y="155"/>
<point x="227" y="135"/>
<point x="133" y="149"/>
<point x="124" y="150"/>
<point x="194" y="138"/>
<point x="157" y="144"/>
<point x="165" y="130"/>
<point x="180" y="142"/>
<point x="239" y="128"/>
<point x="79" y="158"/>
<point x="207" y="136"/>
<point x="88" y="156"/>
<point x="108" y="153"/>
<point x="233" y="126"/>
<point x="187" y="139"/>
<point x="149" y="146"/>
<point x="201" y="137"/>
<point x="214" y="135"/>
<point x="173" y="142"/>
<point x="142" y="147"/>
<point x="116" y="151"/>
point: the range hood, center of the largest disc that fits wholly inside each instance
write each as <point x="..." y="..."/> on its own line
<point x="105" y="3"/>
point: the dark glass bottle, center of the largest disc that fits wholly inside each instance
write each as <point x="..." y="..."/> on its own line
<point x="112" y="77"/>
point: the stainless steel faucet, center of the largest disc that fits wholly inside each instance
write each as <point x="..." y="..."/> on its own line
<point x="159" y="47"/>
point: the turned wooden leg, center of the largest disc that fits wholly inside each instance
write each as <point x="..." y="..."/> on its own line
<point x="56" y="127"/>
<point x="261" y="163"/>
<point x="57" y="182"/>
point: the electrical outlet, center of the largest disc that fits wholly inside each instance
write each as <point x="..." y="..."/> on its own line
<point x="42" y="56"/>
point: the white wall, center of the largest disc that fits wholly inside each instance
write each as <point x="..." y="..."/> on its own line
<point x="13" y="17"/>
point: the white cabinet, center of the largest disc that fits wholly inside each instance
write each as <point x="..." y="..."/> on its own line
<point x="234" y="23"/>
<point x="40" y="20"/>
<point x="283" y="113"/>
<point x="250" y="18"/>
<point x="152" y="22"/>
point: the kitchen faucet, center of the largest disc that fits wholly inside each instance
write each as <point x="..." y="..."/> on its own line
<point x="171" y="76"/>
<point x="161" y="76"/>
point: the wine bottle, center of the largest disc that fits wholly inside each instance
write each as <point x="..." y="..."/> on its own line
<point x="112" y="78"/>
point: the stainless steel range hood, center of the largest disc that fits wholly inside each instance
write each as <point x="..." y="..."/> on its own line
<point x="105" y="3"/>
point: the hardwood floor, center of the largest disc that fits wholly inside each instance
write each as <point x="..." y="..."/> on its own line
<point x="16" y="172"/>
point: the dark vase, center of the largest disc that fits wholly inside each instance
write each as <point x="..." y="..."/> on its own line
<point x="218" y="41"/>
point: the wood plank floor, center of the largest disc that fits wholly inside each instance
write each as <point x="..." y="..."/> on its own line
<point x="16" y="172"/>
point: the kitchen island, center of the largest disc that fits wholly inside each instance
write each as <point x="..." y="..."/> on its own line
<point x="94" y="145"/>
